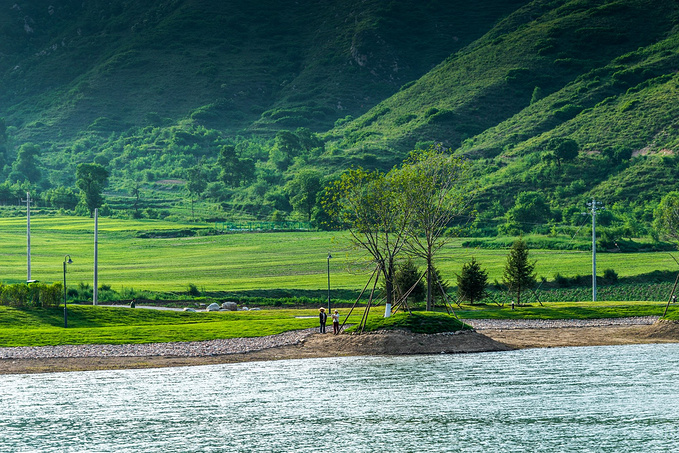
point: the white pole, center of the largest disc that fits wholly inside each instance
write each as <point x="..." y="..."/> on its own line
<point x="96" y="256"/>
<point x="593" y="250"/>
<point x="28" y="236"/>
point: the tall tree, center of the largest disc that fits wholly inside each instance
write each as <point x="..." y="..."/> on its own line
<point x="666" y="216"/>
<point x="437" y="188"/>
<point x="233" y="170"/>
<point x="519" y="273"/>
<point x="91" y="180"/>
<point x="134" y="189"/>
<point x="3" y="142"/>
<point x="371" y="206"/>
<point x="563" y="149"/>
<point x="472" y="282"/>
<point x="26" y="167"/>
<point x="196" y="183"/>
<point x="303" y="190"/>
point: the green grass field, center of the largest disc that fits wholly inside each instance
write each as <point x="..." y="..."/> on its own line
<point x="119" y="325"/>
<point x="243" y="261"/>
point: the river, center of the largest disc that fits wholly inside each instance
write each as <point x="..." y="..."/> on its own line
<point x="599" y="399"/>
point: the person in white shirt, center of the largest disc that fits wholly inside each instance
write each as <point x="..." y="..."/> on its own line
<point x="335" y="323"/>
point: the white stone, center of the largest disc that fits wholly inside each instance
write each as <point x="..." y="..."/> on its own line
<point x="231" y="306"/>
<point x="212" y="307"/>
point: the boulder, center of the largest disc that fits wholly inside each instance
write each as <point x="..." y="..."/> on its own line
<point x="212" y="307"/>
<point x="192" y="310"/>
<point x="231" y="306"/>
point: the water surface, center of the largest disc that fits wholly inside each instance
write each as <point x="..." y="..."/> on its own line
<point x="617" y="398"/>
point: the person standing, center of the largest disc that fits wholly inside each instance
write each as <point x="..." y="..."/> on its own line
<point x="323" y="317"/>
<point x="335" y="323"/>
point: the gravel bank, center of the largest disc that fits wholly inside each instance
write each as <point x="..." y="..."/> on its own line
<point x="245" y="345"/>
<point x="508" y="324"/>
<point x="186" y="349"/>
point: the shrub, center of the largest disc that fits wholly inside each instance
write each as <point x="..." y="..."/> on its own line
<point x="21" y="295"/>
<point x="193" y="290"/>
<point x="610" y="276"/>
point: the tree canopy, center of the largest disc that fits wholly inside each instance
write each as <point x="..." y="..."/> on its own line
<point x="91" y="180"/>
<point x="438" y="190"/>
<point x="472" y="282"/>
<point x="370" y="205"/>
<point x="519" y="273"/>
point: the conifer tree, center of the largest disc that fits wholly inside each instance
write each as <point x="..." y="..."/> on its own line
<point x="407" y="276"/>
<point x="519" y="273"/>
<point x="472" y="282"/>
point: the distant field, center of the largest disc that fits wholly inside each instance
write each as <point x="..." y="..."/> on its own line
<point x="243" y="261"/>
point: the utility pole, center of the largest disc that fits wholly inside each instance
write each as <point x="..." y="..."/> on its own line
<point x="95" y="293"/>
<point x="28" y="236"/>
<point x="594" y="206"/>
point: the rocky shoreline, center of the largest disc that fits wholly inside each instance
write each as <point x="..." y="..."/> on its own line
<point x="183" y="349"/>
<point x="246" y="345"/>
<point x="489" y="335"/>
<point x="487" y="324"/>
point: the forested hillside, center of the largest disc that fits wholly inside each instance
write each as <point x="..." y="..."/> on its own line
<point x="249" y="108"/>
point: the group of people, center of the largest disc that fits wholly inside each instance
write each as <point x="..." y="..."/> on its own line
<point x="323" y="317"/>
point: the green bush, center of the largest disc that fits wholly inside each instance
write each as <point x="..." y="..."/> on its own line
<point x="21" y="295"/>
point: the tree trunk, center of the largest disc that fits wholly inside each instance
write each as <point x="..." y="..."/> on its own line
<point x="518" y="296"/>
<point x="430" y="285"/>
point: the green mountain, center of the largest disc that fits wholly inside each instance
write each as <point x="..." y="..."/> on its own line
<point x="603" y="74"/>
<point x="67" y="66"/>
<point x="250" y="95"/>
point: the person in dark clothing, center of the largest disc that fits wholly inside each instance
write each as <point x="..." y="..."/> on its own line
<point x="323" y="317"/>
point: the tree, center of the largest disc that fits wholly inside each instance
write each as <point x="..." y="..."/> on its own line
<point x="61" y="197"/>
<point x="518" y="273"/>
<point x="286" y="147"/>
<point x="233" y="170"/>
<point x="195" y="183"/>
<point x="26" y="165"/>
<point x="91" y="180"/>
<point x="666" y="216"/>
<point x="530" y="208"/>
<point x="303" y="190"/>
<point x="3" y="142"/>
<point x="472" y="282"/>
<point x="564" y="149"/>
<point x="134" y="189"/>
<point x="437" y="189"/>
<point x="408" y="275"/>
<point x="371" y="206"/>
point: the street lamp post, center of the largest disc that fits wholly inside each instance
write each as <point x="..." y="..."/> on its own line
<point x="329" y="256"/>
<point x="69" y="261"/>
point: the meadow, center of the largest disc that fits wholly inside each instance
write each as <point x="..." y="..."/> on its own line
<point x="137" y="254"/>
<point x="122" y="325"/>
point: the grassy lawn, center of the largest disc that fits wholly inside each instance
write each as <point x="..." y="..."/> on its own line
<point x="565" y="310"/>
<point x="243" y="261"/>
<point x="118" y="325"/>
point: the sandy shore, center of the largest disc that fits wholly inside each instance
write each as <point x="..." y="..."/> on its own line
<point x="502" y="336"/>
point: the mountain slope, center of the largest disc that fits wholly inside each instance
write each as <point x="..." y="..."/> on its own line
<point x="604" y="75"/>
<point x="69" y="65"/>
<point x="545" y="44"/>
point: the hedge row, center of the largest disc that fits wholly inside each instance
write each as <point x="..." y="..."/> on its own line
<point x="31" y="295"/>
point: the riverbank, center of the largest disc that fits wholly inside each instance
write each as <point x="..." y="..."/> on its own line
<point x="491" y="335"/>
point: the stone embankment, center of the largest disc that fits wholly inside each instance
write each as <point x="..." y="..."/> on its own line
<point x="508" y="324"/>
<point x="245" y="345"/>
